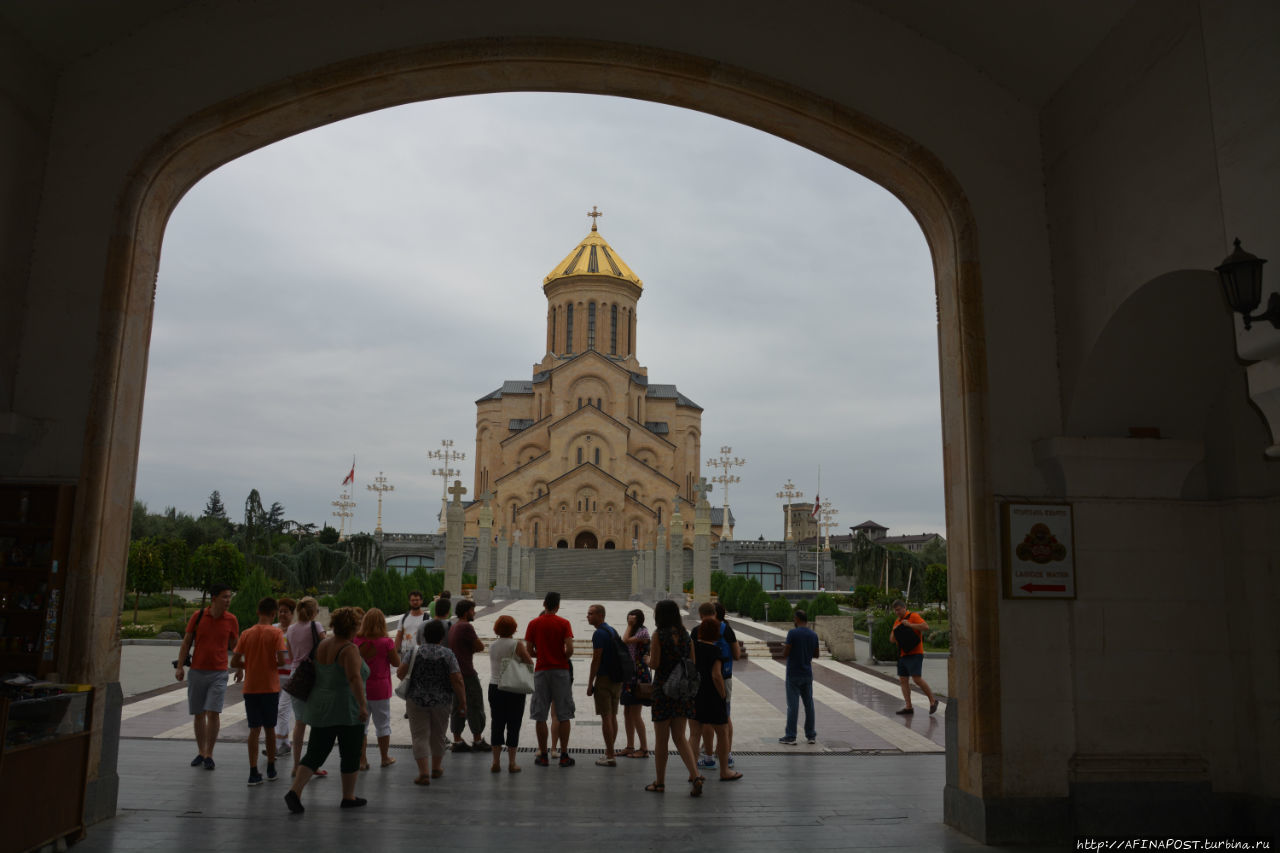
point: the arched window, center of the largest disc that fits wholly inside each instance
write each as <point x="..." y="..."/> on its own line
<point x="579" y="461"/>
<point x="513" y="513"/>
<point x="635" y="533"/>
<point x="613" y="330"/>
<point x="591" y="325"/>
<point x="597" y="456"/>
<point x="579" y="506"/>
<point x="535" y="534"/>
<point x="553" y="328"/>
<point x="768" y="574"/>
<point x="568" y="329"/>
<point x="659" y="515"/>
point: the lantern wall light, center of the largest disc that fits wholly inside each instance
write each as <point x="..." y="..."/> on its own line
<point x="1241" y="276"/>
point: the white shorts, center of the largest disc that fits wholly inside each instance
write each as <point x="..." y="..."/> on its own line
<point x="380" y="716"/>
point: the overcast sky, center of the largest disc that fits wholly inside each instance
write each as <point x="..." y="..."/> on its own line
<point x="355" y="289"/>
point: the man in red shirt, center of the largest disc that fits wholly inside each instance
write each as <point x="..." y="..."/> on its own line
<point x="550" y="640"/>
<point x="911" y="656"/>
<point x="214" y="632"/>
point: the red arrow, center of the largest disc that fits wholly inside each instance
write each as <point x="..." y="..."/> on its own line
<point x="1044" y="587"/>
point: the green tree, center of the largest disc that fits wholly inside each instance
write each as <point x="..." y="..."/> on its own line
<point x="759" y="605"/>
<point x="935" y="583"/>
<point x="213" y="507"/>
<point x="217" y="562"/>
<point x="176" y="556"/>
<point x="145" y="571"/>
<point x="824" y="604"/>
<point x="386" y="592"/>
<point x="328" y="535"/>
<point x="244" y="604"/>
<point x="780" y="610"/>
<point x="881" y="648"/>
<point x="354" y="593"/>
<point x="934" y="551"/>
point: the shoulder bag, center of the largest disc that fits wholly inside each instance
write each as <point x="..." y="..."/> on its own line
<point x="303" y="680"/>
<point x="516" y="676"/>
<point x="402" y="689"/>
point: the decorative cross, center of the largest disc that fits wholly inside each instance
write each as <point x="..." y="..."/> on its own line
<point x="702" y="488"/>
<point x="594" y="214"/>
<point x="457" y="490"/>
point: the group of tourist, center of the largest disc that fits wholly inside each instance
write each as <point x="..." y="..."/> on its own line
<point x="350" y="674"/>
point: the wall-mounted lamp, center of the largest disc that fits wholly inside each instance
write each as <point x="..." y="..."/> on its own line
<point x="1241" y="275"/>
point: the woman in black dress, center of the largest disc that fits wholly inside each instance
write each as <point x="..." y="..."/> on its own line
<point x="710" y="707"/>
<point x="670" y="643"/>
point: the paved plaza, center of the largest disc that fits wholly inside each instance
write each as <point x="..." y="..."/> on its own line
<point x="874" y="780"/>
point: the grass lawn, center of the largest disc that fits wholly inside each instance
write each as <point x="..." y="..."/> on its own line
<point x="159" y="615"/>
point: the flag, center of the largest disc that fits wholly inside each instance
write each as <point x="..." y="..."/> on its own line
<point x="817" y="506"/>
<point x="351" y="477"/>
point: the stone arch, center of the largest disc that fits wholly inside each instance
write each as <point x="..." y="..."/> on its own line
<point x="207" y="138"/>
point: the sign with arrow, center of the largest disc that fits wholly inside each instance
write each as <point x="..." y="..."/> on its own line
<point x="1039" y="551"/>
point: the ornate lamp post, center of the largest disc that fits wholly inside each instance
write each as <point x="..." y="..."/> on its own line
<point x="344" y="506"/>
<point x="789" y="492"/>
<point x="446" y="455"/>
<point x="829" y="514"/>
<point x="380" y="485"/>
<point x="726" y="461"/>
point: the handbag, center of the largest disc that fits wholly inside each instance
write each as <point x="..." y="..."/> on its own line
<point x="643" y="691"/>
<point x="402" y="689"/>
<point x="516" y="676"/>
<point x="303" y="680"/>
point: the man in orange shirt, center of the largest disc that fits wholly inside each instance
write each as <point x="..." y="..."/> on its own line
<point x="911" y="655"/>
<point x="211" y="635"/>
<point x="261" y="652"/>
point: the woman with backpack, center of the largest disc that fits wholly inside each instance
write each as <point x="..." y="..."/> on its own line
<point x="670" y="645"/>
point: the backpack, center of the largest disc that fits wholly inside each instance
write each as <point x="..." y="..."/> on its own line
<point x="617" y="661"/>
<point x="684" y="680"/>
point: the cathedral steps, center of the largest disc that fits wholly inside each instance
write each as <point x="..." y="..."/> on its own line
<point x="584" y="574"/>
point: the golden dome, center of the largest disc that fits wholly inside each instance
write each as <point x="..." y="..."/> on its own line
<point x="593" y="256"/>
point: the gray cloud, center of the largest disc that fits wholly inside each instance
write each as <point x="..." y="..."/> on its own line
<point x="354" y="289"/>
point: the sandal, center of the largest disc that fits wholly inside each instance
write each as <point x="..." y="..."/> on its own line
<point x="437" y="773"/>
<point x="514" y="768"/>
<point x="321" y="773"/>
<point x="364" y="767"/>
<point x="639" y="753"/>
<point x="655" y="788"/>
<point x="388" y="762"/>
<point x="734" y="778"/>
<point x="422" y="780"/>
<point x="626" y="752"/>
<point x="696" y="790"/>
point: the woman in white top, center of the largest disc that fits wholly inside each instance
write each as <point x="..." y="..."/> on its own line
<point x="303" y="635"/>
<point x="506" y="709"/>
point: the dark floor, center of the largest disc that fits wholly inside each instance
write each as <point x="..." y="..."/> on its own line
<point x="784" y="802"/>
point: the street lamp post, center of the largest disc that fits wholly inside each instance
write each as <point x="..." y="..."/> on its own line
<point x="344" y="506"/>
<point x="789" y="492"/>
<point x="380" y="485"/>
<point x="829" y="514"/>
<point x="726" y="461"/>
<point x="446" y="456"/>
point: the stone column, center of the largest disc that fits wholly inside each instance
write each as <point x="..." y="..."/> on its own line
<point x="529" y="572"/>
<point x="484" y="552"/>
<point x="702" y="544"/>
<point x="676" y="582"/>
<point x="660" y="561"/>
<point x="635" y="572"/>
<point x="501" y="572"/>
<point x="453" y="540"/>
<point x="517" y="566"/>
<point x="646" y="569"/>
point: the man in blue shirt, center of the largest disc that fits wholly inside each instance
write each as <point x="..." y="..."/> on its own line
<point x="801" y="648"/>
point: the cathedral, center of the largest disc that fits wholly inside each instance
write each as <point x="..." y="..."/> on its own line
<point x="589" y="453"/>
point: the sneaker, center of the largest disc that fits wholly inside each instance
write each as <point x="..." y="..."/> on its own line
<point x="706" y="761"/>
<point x="789" y="741"/>
<point x="542" y="760"/>
<point x="480" y="746"/>
<point x="354" y="803"/>
<point x="813" y="739"/>
<point x="461" y="746"/>
<point x="905" y="711"/>
<point x="566" y="760"/>
<point x="208" y="764"/>
<point x="271" y="773"/>
<point x="255" y="778"/>
<point x="730" y="760"/>
<point x="555" y="753"/>
<point x="197" y="761"/>
<point x="294" y="802"/>
<point x="604" y="761"/>
<point x="282" y="749"/>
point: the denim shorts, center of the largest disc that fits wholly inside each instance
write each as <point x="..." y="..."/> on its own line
<point x="911" y="665"/>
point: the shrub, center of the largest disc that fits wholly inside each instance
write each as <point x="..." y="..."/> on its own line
<point x="759" y="606"/>
<point x="824" y="604"/>
<point x="806" y="606"/>
<point x="328" y="602"/>
<point x="863" y="596"/>
<point x="137" y="632"/>
<point x="881" y="648"/>
<point x="938" y="639"/>
<point x="354" y="593"/>
<point x="177" y="626"/>
<point x="780" y="610"/>
<point x="860" y="620"/>
<point x="932" y="614"/>
<point x="244" y="605"/>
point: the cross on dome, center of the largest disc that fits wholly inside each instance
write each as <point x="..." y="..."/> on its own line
<point x="594" y="214"/>
<point x="457" y="490"/>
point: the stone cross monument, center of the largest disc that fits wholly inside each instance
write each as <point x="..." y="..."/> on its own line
<point x="453" y="540"/>
<point x="484" y="551"/>
<point x="503" y="573"/>
<point x="660" y="561"/>
<point x="702" y="544"/>
<point x="517" y="565"/>
<point x="676" y="582"/>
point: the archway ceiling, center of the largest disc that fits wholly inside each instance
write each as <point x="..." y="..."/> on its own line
<point x="1028" y="48"/>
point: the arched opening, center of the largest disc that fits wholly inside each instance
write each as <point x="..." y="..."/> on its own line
<point x="562" y="543"/>
<point x="585" y="539"/>
<point x="230" y="129"/>
<point x="608" y="545"/>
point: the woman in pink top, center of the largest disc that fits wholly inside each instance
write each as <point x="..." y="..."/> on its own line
<point x="303" y="636"/>
<point x="379" y="652"/>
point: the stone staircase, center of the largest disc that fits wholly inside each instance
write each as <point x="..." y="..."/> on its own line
<point x="585" y="574"/>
